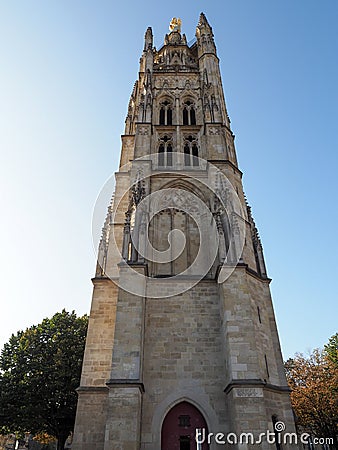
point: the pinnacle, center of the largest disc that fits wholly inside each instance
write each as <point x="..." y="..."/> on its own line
<point x="203" y="20"/>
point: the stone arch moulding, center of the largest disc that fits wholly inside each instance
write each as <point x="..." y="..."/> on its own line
<point x="198" y="399"/>
<point x="186" y="185"/>
<point x="188" y="95"/>
<point x="163" y="96"/>
<point x="166" y="110"/>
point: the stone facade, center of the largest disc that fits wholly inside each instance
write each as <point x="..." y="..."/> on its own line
<point x="181" y="308"/>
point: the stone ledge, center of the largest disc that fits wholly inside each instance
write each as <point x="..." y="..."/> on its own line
<point x="126" y="383"/>
<point x="242" y="265"/>
<point x="255" y="383"/>
<point x="103" y="279"/>
<point x="91" y="389"/>
<point x="225" y="161"/>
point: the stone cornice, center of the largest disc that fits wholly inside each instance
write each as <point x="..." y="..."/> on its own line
<point x="92" y="389"/>
<point x="106" y="279"/>
<point x="126" y="383"/>
<point x="254" y="383"/>
<point x="226" y="161"/>
<point x="254" y="273"/>
<point x="245" y="267"/>
<point x="103" y="279"/>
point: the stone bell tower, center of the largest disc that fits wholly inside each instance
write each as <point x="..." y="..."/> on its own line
<point x="182" y="334"/>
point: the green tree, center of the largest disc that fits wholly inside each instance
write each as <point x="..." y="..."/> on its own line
<point x="331" y="349"/>
<point x="313" y="382"/>
<point x="40" y="369"/>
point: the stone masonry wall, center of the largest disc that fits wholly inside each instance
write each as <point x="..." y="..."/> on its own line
<point x="183" y="357"/>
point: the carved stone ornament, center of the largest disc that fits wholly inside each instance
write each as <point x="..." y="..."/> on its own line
<point x="144" y="131"/>
<point x="128" y="142"/>
<point x="249" y="392"/>
<point x="138" y="191"/>
<point x="214" y="131"/>
<point x="182" y="200"/>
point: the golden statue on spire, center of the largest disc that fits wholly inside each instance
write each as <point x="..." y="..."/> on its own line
<point x="175" y="24"/>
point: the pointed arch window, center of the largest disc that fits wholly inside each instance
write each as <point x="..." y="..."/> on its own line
<point x="189" y="114"/>
<point x="191" y="151"/>
<point x="165" y="149"/>
<point x="166" y="113"/>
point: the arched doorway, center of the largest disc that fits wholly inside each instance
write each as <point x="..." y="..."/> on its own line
<point x="179" y="428"/>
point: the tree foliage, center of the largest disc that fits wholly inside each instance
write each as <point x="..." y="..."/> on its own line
<point x="314" y="397"/>
<point x="40" y="369"/>
<point x="331" y="349"/>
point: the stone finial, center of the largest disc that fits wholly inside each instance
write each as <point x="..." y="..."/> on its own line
<point x="148" y="39"/>
<point x="203" y="22"/>
<point x="204" y="36"/>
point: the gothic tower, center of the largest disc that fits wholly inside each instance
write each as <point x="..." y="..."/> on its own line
<point x="182" y="334"/>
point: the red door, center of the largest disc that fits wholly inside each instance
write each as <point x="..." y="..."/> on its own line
<point x="179" y="428"/>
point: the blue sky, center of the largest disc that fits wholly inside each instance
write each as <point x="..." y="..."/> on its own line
<point x="67" y="71"/>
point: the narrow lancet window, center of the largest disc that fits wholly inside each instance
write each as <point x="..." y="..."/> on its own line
<point x="186" y="155"/>
<point x="161" y="155"/>
<point x="185" y="117"/>
<point x="169" y="155"/>
<point x="191" y="151"/>
<point x="165" y="151"/>
<point x="162" y="116"/>
<point x="166" y="113"/>
<point x="192" y="116"/>
<point x="189" y="115"/>
<point x="194" y="155"/>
